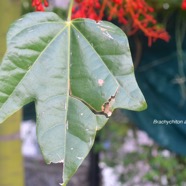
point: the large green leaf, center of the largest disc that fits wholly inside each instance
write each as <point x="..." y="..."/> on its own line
<point x="77" y="73"/>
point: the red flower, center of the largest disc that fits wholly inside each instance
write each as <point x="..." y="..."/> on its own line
<point x="183" y="5"/>
<point x="38" y="4"/>
<point x="135" y="14"/>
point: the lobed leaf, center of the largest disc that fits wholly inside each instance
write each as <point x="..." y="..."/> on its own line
<point x="76" y="72"/>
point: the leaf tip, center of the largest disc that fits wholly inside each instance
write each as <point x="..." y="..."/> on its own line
<point x="143" y="106"/>
<point x="47" y="161"/>
<point x="63" y="184"/>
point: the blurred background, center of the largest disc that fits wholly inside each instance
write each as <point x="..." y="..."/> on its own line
<point x="133" y="149"/>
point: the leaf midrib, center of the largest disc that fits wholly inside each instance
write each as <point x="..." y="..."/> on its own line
<point x="68" y="91"/>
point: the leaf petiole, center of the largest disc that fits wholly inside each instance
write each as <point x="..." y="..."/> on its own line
<point x="70" y="10"/>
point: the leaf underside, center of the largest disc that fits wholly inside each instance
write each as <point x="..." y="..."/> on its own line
<point x="76" y="72"/>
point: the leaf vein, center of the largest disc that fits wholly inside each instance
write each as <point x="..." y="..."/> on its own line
<point x="33" y="65"/>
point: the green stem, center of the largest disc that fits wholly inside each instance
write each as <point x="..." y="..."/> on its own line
<point x="70" y="10"/>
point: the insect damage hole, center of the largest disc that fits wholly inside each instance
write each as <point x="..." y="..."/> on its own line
<point x="107" y="107"/>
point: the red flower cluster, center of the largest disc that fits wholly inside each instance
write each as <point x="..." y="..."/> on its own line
<point x="136" y="15"/>
<point x="38" y="4"/>
<point x="87" y="9"/>
<point x="183" y="5"/>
